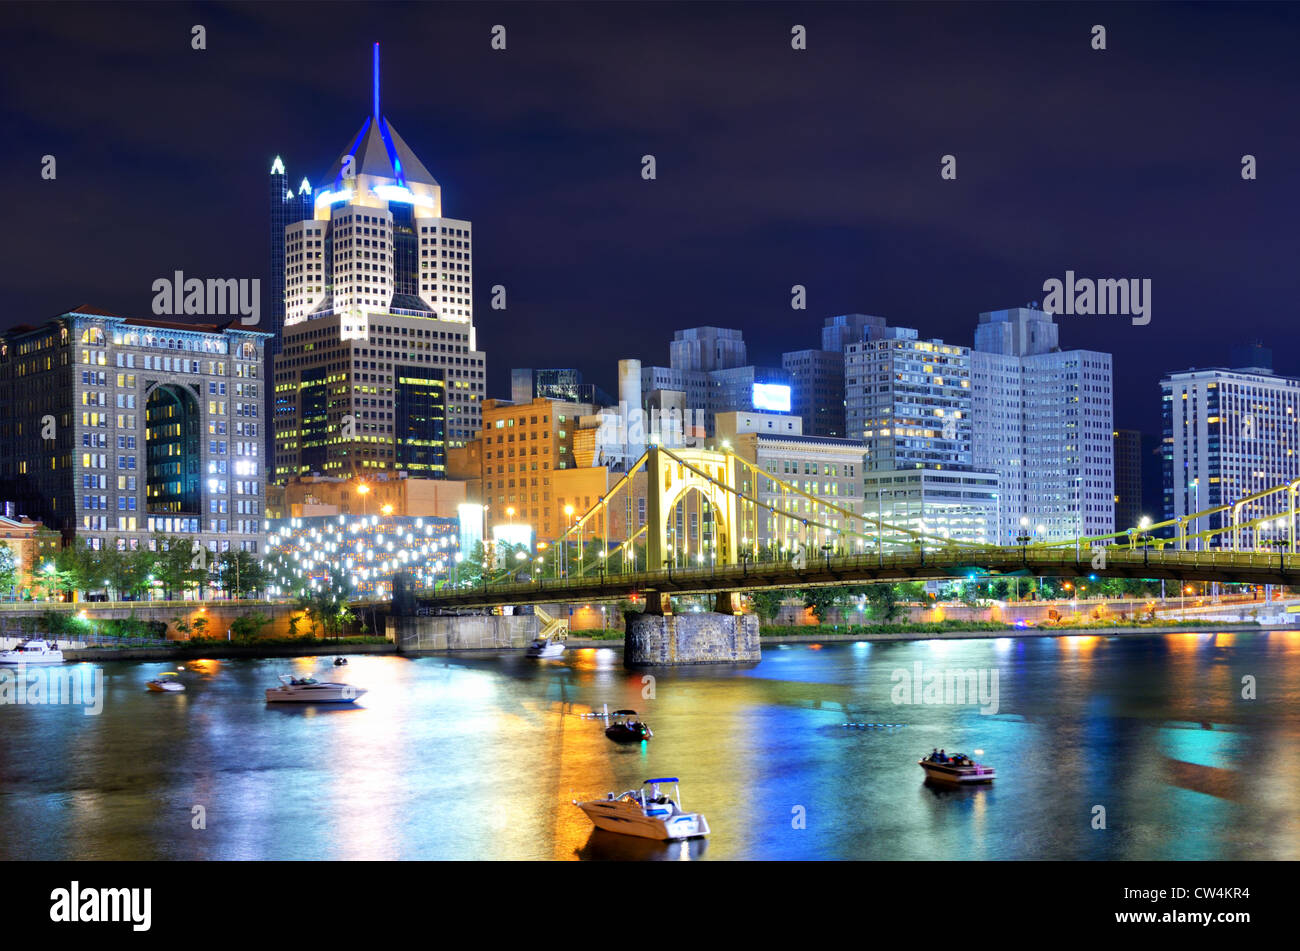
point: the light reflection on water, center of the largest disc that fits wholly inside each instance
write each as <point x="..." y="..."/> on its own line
<point x="481" y="756"/>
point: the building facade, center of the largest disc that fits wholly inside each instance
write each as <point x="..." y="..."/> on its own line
<point x="380" y="369"/>
<point x="117" y="427"/>
<point x="1228" y="434"/>
<point x="1043" y="421"/>
<point x="285" y="207"/>
<point x="1128" y="479"/>
<point x="708" y="366"/>
<point x="827" y="469"/>
<point x="817" y="382"/>
<point x="909" y="401"/>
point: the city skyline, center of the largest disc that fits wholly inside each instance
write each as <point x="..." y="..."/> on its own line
<point x="895" y="239"/>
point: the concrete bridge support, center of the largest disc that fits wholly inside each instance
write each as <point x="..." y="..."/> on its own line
<point x="467" y="632"/>
<point x="657" y="640"/>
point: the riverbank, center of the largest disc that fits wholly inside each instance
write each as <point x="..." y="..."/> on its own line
<point x="220" y="651"/>
<point x="830" y="638"/>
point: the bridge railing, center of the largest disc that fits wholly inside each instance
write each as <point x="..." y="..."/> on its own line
<point x="958" y="563"/>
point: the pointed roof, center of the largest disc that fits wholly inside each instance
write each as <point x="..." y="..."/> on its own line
<point x="379" y="151"/>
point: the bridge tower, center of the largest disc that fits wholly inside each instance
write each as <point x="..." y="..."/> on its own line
<point x="669" y="480"/>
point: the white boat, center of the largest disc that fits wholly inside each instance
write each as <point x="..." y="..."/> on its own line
<point x="32" y="651"/>
<point x="652" y="816"/>
<point x="311" y="690"/>
<point x="957" y="768"/>
<point x="545" y="649"/>
<point x="165" y="686"/>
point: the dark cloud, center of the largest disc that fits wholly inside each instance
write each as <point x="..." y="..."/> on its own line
<point x="775" y="167"/>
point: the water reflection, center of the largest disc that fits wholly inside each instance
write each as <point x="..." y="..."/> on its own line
<point x="480" y="756"/>
<point x="606" y="846"/>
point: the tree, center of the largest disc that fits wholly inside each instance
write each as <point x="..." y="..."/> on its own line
<point x="325" y="604"/>
<point x="767" y="603"/>
<point x="191" y="629"/>
<point x="182" y="563"/>
<point x="8" y="568"/>
<point x="247" y="625"/>
<point x="69" y="572"/>
<point x="822" y="600"/>
<point x="240" y="573"/>
<point x="884" y="602"/>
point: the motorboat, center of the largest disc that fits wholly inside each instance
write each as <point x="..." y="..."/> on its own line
<point x="626" y="730"/>
<point x="957" y="768"/>
<point x="311" y="690"/>
<point x="33" y="651"/>
<point x="159" y="685"/>
<point x="545" y="649"/>
<point x="651" y="815"/>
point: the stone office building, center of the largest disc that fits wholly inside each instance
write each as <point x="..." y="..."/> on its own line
<point x="116" y="427"/>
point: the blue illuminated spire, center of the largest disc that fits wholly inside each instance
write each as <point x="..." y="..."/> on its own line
<point x="377" y="150"/>
<point x="376" y="80"/>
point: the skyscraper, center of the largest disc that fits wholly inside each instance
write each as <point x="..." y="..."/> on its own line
<point x="1043" y="420"/>
<point x="909" y="401"/>
<point x="286" y="206"/>
<point x="378" y="293"/>
<point x="1229" y="434"/>
<point x="1128" y="479"/>
<point x="708" y="367"/>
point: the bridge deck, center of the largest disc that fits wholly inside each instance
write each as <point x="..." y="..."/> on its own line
<point x="1226" y="566"/>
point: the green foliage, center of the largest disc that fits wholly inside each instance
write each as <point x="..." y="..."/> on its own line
<point x="247" y="625"/>
<point x="326" y="605"/>
<point x="767" y="603"/>
<point x="8" y="567"/>
<point x="822" y="600"/>
<point x="883" y="599"/>
<point x="181" y="564"/>
<point x="240" y="573"/>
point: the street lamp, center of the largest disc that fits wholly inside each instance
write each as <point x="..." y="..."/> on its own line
<point x="363" y="490"/>
<point x="1024" y="538"/>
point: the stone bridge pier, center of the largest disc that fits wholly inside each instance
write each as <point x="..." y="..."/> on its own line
<point x="657" y="638"/>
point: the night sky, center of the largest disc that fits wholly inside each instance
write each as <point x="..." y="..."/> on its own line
<point x="775" y="167"/>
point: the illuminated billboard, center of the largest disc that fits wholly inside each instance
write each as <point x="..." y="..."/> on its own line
<point x="772" y="396"/>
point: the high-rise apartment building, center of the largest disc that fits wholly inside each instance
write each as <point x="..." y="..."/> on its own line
<point x="379" y="347"/>
<point x="843" y="329"/>
<point x="1043" y="421"/>
<point x="1228" y="434"/>
<point x="817" y="376"/>
<point x="909" y="401"/>
<point x="118" y="427"/>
